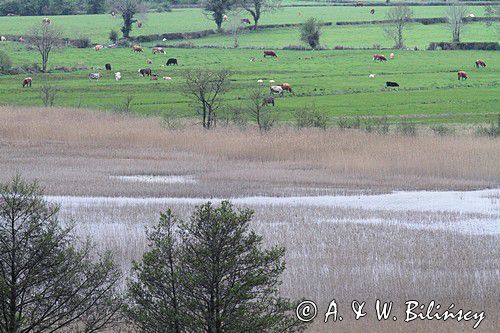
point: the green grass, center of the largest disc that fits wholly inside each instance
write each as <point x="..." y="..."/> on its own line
<point x="97" y="27"/>
<point x="336" y="82"/>
<point x="358" y="36"/>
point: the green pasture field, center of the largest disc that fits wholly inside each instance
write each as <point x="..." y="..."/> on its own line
<point x="97" y="27"/>
<point x="334" y="82"/>
<point x="356" y="36"/>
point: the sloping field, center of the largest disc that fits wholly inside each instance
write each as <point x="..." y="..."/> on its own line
<point x="97" y="27"/>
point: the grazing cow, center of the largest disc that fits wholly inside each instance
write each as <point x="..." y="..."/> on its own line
<point x="391" y="56"/>
<point x="27" y="82"/>
<point x="372" y="11"/>
<point x="118" y="76"/>
<point x="108" y="67"/>
<point x="276" y="90"/>
<point x="462" y="75"/>
<point x="245" y="20"/>
<point x="268" y="100"/>
<point x="46" y="20"/>
<point x="98" y="47"/>
<point x="358" y="4"/>
<point x="270" y="53"/>
<point x="379" y="57"/>
<point x="287" y="87"/>
<point x="94" y="76"/>
<point x="391" y="84"/>
<point x="157" y="50"/>
<point x="145" y="71"/>
<point x="167" y="78"/>
<point x="171" y="61"/>
<point x="480" y="63"/>
<point x="139" y="24"/>
<point x="3" y="39"/>
<point x="137" y="48"/>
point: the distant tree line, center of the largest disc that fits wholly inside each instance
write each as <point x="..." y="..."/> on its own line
<point x="63" y="7"/>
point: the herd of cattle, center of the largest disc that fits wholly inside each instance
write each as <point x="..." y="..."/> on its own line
<point x="274" y="89"/>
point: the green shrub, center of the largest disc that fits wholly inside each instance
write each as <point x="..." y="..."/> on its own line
<point x="347" y="123"/>
<point x="407" y="128"/>
<point x="310" y="118"/>
<point x="5" y="62"/>
<point x="377" y="125"/>
<point x="443" y="130"/>
<point x="310" y="32"/>
<point x="492" y="131"/>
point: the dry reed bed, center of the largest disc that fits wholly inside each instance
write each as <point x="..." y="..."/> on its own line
<point x="94" y="145"/>
<point x="329" y="256"/>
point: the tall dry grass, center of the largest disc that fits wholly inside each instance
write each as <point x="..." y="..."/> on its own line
<point x="284" y="156"/>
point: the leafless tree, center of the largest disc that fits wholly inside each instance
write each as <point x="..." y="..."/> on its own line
<point x="217" y="10"/>
<point x="128" y="9"/>
<point x="206" y="87"/>
<point x="257" y="7"/>
<point x="44" y="37"/>
<point x="399" y="16"/>
<point x="455" y="14"/>
<point x="259" y="111"/>
<point x="48" y="94"/>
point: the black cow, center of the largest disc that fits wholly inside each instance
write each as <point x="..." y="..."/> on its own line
<point x="171" y="61"/>
<point x="145" y="71"/>
<point x="391" y="84"/>
<point x="108" y="67"/>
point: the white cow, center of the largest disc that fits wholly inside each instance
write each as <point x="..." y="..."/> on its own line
<point x="94" y="76"/>
<point x="118" y="76"/>
<point x="371" y="76"/>
<point x="3" y="39"/>
<point x="276" y="90"/>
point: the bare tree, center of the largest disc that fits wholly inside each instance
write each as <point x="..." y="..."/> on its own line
<point x="128" y="9"/>
<point x="455" y="14"/>
<point x="48" y="94"/>
<point x="217" y="10"/>
<point x="257" y="7"/>
<point x="399" y="16"/>
<point x="206" y="87"/>
<point x="47" y="283"/>
<point x="259" y="111"/>
<point x="44" y="37"/>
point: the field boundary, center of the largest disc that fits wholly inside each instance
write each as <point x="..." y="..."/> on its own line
<point x="424" y="21"/>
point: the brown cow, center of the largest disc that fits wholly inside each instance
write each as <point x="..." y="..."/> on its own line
<point x="480" y="63"/>
<point x="139" y="24"/>
<point x="245" y="20"/>
<point x="157" y="50"/>
<point x="287" y="87"/>
<point x="98" y="47"/>
<point x="270" y="53"/>
<point x="462" y="75"/>
<point x="137" y="48"/>
<point x="27" y="82"/>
